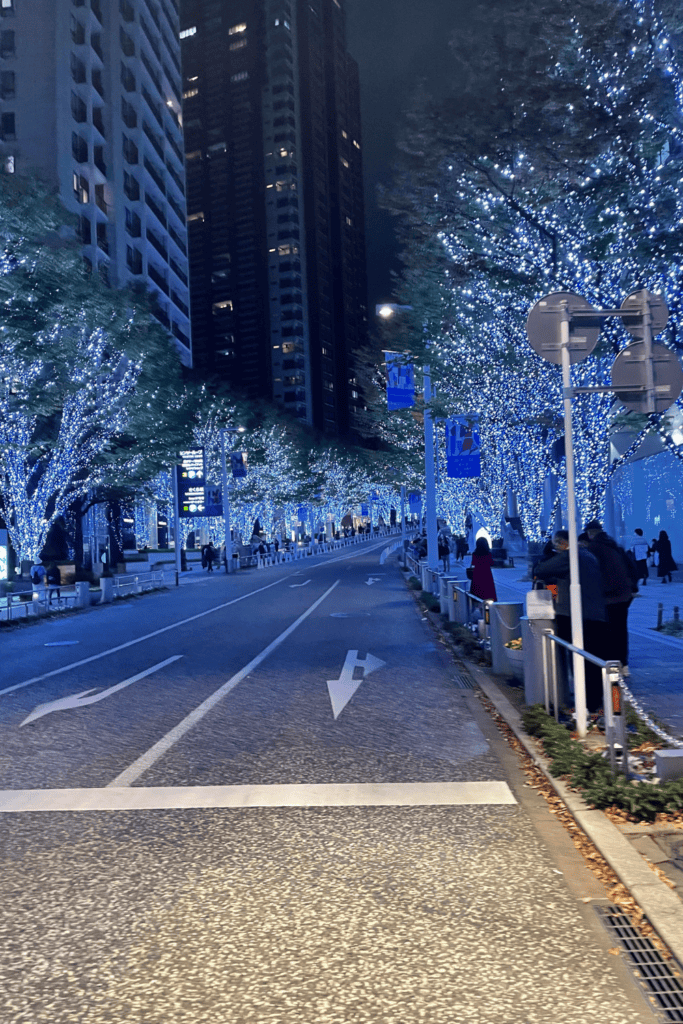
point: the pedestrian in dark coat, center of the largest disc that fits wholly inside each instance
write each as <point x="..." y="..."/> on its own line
<point x="210" y="556"/>
<point x="483" y="584"/>
<point x="618" y="591"/>
<point x="665" y="562"/>
<point x="555" y="569"/>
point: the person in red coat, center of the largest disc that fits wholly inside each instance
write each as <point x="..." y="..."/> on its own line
<point x="483" y="585"/>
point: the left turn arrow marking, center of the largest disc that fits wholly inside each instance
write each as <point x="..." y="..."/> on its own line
<point x="80" y="700"/>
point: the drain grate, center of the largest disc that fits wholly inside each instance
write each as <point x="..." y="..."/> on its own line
<point x="660" y="979"/>
<point x="463" y="682"/>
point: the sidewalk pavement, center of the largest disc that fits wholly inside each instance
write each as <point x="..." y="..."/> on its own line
<point x="655" y="660"/>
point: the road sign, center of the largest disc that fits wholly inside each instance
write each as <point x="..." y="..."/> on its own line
<point x="633" y="307"/>
<point x="191" y="484"/>
<point x="629" y="377"/>
<point x="543" y="327"/>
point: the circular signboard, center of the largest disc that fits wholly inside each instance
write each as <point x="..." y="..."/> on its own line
<point x="659" y="312"/>
<point x="543" y="327"/>
<point x="629" y="377"/>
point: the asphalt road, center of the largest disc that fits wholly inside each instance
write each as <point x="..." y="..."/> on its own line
<point x="230" y="827"/>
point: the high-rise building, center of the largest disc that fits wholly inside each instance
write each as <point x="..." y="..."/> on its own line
<point x="275" y="202"/>
<point x="90" y="98"/>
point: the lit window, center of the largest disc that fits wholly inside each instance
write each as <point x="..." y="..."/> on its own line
<point x="287" y="250"/>
<point x="345" y="162"/>
<point x="240" y="76"/>
<point x="236" y="29"/>
<point x="344" y="135"/>
<point x="188" y="32"/>
<point x="194" y="155"/>
<point x="195" y="216"/>
<point x="81" y="188"/>
<point x="238" y="44"/>
<point x="349" y="221"/>
<point x="222" y="305"/>
<point x="356" y="144"/>
<point x="7" y="5"/>
<point x="9" y="165"/>
<point x="189" y="93"/>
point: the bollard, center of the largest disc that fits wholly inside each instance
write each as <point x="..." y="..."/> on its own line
<point x="677" y="617"/>
<point x="444" y="600"/>
<point x="107" y="587"/>
<point x="660" y="613"/>
<point x="505" y="616"/>
<point x="82" y="594"/>
<point x="540" y="617"/>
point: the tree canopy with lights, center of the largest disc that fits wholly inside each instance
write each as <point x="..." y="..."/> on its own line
<point x="557" y="166"/>
<point x="90" y="385"/>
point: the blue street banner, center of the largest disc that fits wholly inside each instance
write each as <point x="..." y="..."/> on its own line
<point x="400" y="382"/>
<point x="302" y="513"/>
<point x="238" y="464"/>
<point x="374" y="496"/>
<point x="463" y="448"/>
<point x="213" y="505"/>
<point x="415" y="503"/>
<point x="364" y="510"/>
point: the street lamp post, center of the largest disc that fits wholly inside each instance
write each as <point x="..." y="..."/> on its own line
<point x="430" y="485"/>
<point x="229" y="567"/>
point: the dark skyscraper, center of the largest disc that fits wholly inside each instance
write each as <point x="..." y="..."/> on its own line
<point x="275" y="202"/>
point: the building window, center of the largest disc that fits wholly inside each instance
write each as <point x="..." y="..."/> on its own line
<point x="345" y="162"/>
<point x="84" y="230"/>
<point x="188" y="32"/>
<point x="236" y="29"/>
<point x="7" y="85"/>
<point x="9" y="164"/>
<point x="195" y="216"/>
<point x="238" y="44"/>
<point x="7" y="7"/>
<point x="189" y="93"/>
<point x="194" y="155"/>
<point x="7" y="43"/>
<point x="81" y="188"/>
<point x="241" y="76"/>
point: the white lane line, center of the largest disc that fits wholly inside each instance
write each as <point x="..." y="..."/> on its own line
<point x="371" y="794"/>
<point x="146" y="760"/>
<point x="138" y="640"/>
<point x="79" y="700"/>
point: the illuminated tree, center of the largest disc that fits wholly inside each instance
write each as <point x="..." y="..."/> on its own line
<point x="90" y="388"/>
<point x="556" y="168"/>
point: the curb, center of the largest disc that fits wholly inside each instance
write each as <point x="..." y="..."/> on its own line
<point x="661" y="906"/>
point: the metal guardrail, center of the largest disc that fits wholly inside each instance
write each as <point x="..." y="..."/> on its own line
<point x="612" y="694"/>
<point x="135" y="583"/>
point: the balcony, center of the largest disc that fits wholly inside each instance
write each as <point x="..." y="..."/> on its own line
<point x="127" y="10"/>
<point x="131" y="187"/>
<point x="96" y="79"/>
<point x="102" y="241"/>
<point x="77" y="33"/>
<point x="157" y="243"/>
<point x="156" y="209"/>
<point x="77" y="69"/>
<point x="127" y="44"/>
<point x="96" y="8"/>
<point x="180" y="274"/>
<point x="180" y="335"/>
<point x="127" y="79"/>
<point x="96" y="44"/>
<point x="130" y="151"/>
<point x="133" y="225"/>
<point x="149" y="132"/>
<point x="155" y="175"/>
<point x="100" y="201"/>
<point x="79" y="149"/>
<point x="98" y="120"/>
<point x="158" y="279"/>
<point x="179" y="303"/>
<point x="133" y="260"/>
<point x="178" y="241"/>
<point x="178" y="210"/>
<point x="99" y="160"/>
<point x="153" y="106"/>
<point x="128" y="114"/>
<point x="79" y="109"/>
<point x="150" y="70"/>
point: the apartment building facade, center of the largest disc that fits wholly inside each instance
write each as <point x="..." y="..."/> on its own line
<point x="90" y="99"/>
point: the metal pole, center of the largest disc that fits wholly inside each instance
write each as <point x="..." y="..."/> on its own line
<point x="430" y="488"/>
<point x="176" y="524"/>
<point x="574" y="579"/>
<point x="403" y="523"/>
<point x="226" y="508"/>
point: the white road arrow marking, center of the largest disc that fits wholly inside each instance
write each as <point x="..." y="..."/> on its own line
<point x="373" y="579"/>
<point x="80" y="700"/>
<point x="342" y="690"/>
<point x="292" y="585"/>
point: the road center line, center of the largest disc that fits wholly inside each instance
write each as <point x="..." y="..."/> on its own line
<point x="138" y="640"/>
<point x="146" y="760"/>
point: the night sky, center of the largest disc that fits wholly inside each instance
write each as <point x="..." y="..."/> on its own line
<point x="397" y="43"/>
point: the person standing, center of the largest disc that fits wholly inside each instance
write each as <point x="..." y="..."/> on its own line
<point x="618" y="592"/>
<point x="54" y="583"/>
<point x="555" y="569"/>
<point x="665" y="562"/>
<point x="210" y="556"/>
<point x="640" y="551"/>
<point x="483" y="585"/>
<point x="444" y="552"/>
